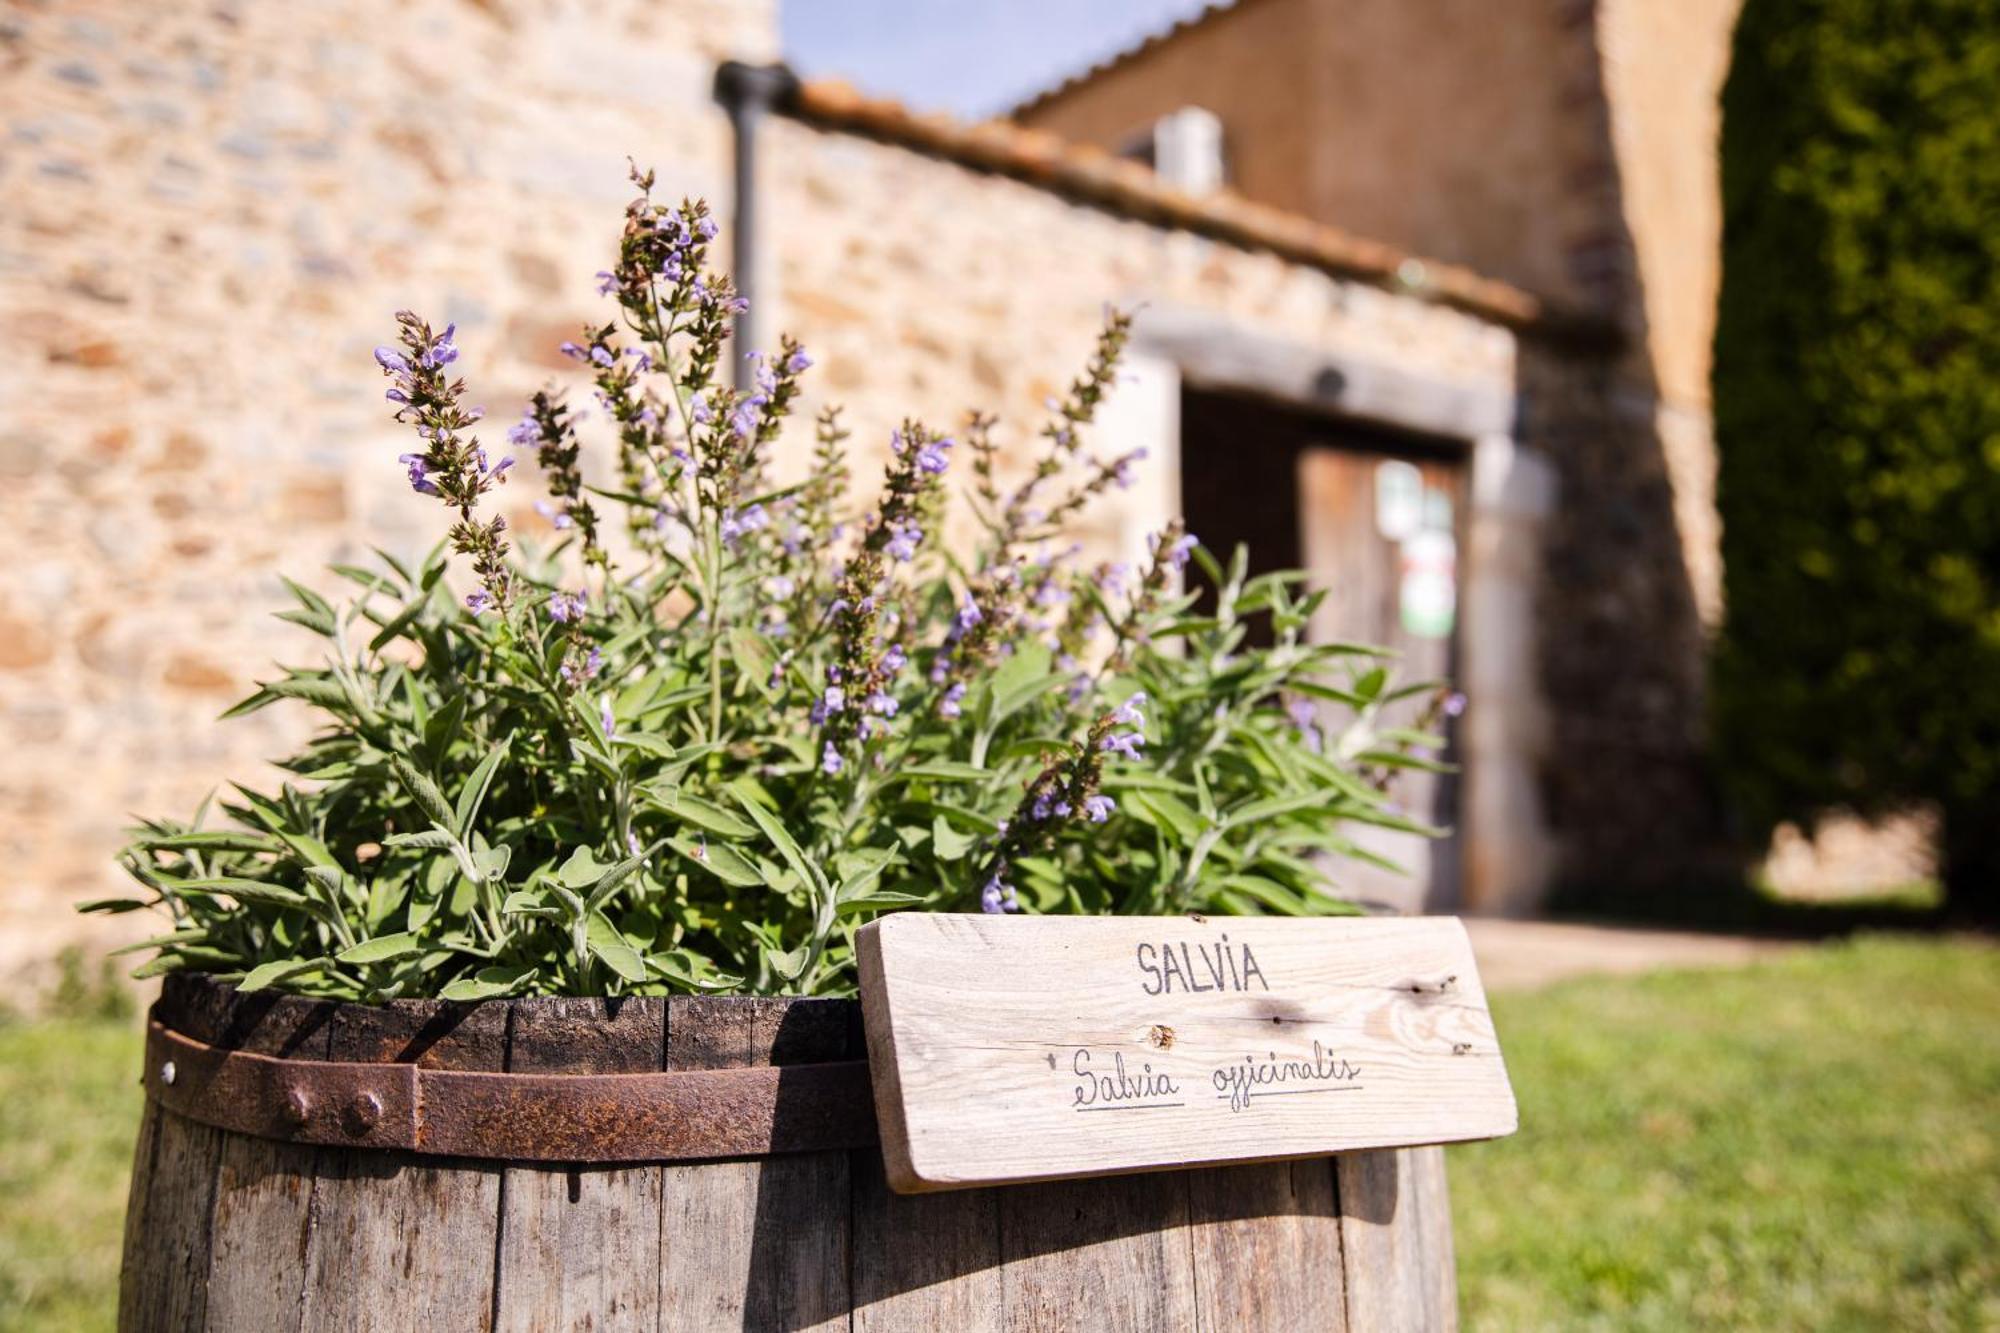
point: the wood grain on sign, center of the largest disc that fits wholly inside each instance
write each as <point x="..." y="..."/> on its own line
<point x="1032" y="1048"/>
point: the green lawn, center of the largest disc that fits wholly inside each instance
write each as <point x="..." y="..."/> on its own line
<point x="69" y="1105"/>
<point x="1811" y="1144"/>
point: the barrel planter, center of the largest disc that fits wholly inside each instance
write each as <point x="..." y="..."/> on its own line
<point x="792" y="1229"/>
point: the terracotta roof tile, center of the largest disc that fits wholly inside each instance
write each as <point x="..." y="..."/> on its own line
<point x="1090" y="175"/>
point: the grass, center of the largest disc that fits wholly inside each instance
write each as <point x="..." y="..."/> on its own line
<point x="69" y="1106"/>
<point x="1813" y="1143"/>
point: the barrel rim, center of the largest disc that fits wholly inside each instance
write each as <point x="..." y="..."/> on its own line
<point x="533" y="1079"/>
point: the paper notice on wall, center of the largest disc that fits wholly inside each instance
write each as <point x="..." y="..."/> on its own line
<point x="1399" y="500"/>
<point x="1428" y="586"/>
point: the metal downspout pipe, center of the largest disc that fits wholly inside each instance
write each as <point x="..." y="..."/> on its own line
<point x="747" y="93"/>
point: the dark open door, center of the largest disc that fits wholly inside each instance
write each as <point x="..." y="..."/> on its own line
<point x="1374" y="516"/>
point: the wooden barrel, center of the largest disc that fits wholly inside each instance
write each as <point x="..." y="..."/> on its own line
<point x="228" y="1231"/>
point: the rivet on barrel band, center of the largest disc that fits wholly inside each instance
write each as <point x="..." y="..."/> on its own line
<point x="363" y="1114"/>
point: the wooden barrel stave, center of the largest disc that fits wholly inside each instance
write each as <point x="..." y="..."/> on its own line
<point x="554" y="1221"/>
<point x="230" y="1232"/>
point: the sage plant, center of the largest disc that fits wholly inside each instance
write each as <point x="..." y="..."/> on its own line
<point x="723" y="720"/>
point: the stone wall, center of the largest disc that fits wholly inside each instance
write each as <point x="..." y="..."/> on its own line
<point x="1567" y="145"/>
<point x="1663" y="67"/>
<point x="213" y="212"/>
<point x="929" y="289"/>
<point x="1445" y="128"/>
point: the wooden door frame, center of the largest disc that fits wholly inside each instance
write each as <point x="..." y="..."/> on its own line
<point x="1508" y="852"/>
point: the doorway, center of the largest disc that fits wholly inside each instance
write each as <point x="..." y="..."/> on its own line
<point x="1377" y="517"/>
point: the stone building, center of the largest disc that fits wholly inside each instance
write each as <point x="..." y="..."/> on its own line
<point x="1567" y="146"/>
<point x="1484" y="424"/>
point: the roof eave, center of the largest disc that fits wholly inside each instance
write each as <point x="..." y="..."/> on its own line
<point x="1088" y="175"/>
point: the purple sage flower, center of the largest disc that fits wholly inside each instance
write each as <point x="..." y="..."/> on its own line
<point x="968" y="615"/>
<point x="1131" y="713"/>
<point x="736" y="523"/>
<point x="952" y="705"/>
<point x="829" y="760"/>
<point x="1097" y="807"/>
<point x="591" y="666"/>
<point x="565" y="607"/>
<point x="829" y="703"/>
<point x="904" y="535"/>
<point x="1305" y="717"/>
<point x="1124" y="743"/>
<point x="931" y="458"/>
<point x="420" y="481"/>
<point x="1177" y="554"/>
<point x="443" y="351"/>
<point x="996" y="896"/>
<point x="478" y="600"/>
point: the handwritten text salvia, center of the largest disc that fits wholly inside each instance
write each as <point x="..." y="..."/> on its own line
<point x="1221" y="966"/>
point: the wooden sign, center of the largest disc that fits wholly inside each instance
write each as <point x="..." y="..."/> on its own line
<point x="1028" y="1048"/>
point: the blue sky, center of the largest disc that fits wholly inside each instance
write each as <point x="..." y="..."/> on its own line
<point x="971" y="57"/>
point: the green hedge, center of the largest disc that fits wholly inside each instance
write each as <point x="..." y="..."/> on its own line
<point x="1857" y="414"/>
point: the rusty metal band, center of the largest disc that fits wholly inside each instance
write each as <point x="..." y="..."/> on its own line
<point x="673" y="1116"/>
